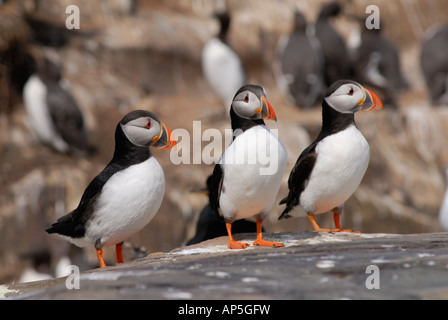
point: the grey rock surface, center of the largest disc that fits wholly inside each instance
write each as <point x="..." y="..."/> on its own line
<point x="310" y="266"/>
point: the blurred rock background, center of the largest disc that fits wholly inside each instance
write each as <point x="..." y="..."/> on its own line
<point x="131" y="54"/>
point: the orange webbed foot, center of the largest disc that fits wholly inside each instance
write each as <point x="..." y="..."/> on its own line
<point x="346" y="230"/>
<point x="264" y="243"/>
<point x="237" y="245"/>
<point x="232" y="243"/>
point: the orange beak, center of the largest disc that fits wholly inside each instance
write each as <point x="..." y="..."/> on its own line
<point x="371" y="101"/>
<point x="165" y="139"/>
<point x="267" y="112"/>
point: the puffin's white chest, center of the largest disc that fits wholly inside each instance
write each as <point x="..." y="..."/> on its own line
<point x="253" y="168"/>
<point x="222" y="69"/>
<point x="128" y="201"/>
<point x="340" y="166"/>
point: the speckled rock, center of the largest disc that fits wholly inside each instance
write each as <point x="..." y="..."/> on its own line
<point x="310" y="266"/>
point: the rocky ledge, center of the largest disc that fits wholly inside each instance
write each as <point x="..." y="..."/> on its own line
<point x="310" y="266"/>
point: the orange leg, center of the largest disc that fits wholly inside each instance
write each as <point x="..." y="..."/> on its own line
<point x="119" y="250"/>
<point x="337" y="223"/>
<point x="232" y="243"/>
<point x="99" y="254"/>
<point x="264" y="243"/>
<point x="316" y="226"/>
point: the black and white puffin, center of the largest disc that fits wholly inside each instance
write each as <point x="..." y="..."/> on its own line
<point x="126" y="195"/>
<point x="336" y="58"/>
<point x="246" y="180"/>
<point x="221" y="66"/>
<point x="329" y="170"/>
<point x="53" y="114"/>
<point x="301" y="64"/>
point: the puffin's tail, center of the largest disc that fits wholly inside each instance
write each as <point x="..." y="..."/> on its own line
<point x="66" y="227"/>
<point x="285" y="214"/>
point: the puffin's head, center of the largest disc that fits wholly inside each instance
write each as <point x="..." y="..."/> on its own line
<point x="250" y="103"/>
<point x="144" y="129"/>
<point x="348" y="96"/>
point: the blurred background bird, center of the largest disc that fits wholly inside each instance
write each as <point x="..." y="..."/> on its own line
<point x="434" y="63"/>
<point x="221" y="65"/>
<point x="377" y="63"/>
<point x="337" y="63"/>
<point x="53" y="114"/>
<point x="301" y="64"/>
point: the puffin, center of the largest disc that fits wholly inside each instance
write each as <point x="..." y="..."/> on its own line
<point x="210" y="225"/>
<point x="52" y="112"/>
<point x="301" y="61"/>
<point x="434" y="63"/>
<point x="246" y="179"/>
<point x="221" y="66"/>
<point x="330" y="169"/>
<point x="125" y="196"/>
<point x="337" y="62"/>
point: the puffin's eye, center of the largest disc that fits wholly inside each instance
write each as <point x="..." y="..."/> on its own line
<point x="246" y="98"/>
<point x="148" y="125"/>
<point x="350" y="93"/>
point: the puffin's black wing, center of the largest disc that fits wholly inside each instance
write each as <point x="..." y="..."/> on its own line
<point x="214" y="184"/>
<point x="73" y="223"/>
<point x="67" y="117"/>
<point x="68" y="226"/>
<point x="298" y="179"/>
